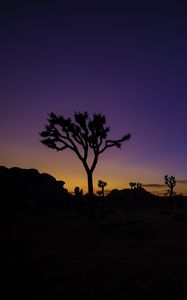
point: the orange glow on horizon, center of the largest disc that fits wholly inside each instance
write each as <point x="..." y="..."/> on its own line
<point x="65" y="166"/>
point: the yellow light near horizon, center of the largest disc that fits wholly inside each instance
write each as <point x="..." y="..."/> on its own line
<point x="65" y="166"/>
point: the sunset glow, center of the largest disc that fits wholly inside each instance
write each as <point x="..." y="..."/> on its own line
<point x="125" y="61"/>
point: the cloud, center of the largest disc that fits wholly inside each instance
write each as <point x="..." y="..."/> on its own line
<point x="154" y="185"/>
<point x="158" y="185"/>
<point x="182" y="181"/>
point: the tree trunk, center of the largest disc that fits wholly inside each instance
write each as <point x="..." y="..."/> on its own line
<point x="103" y="191"/>
<point x="90" y="183"/>
<point x="91" y="201"/>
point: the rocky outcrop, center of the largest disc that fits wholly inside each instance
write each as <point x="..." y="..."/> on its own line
<point x="29" y="187"/>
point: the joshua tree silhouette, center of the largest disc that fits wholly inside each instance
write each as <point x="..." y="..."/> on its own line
<point x="132" y="185"/>
<point x="102" y="185"/>
<point x="135" y="185"/>
<point x="170" y="181"/>
<point x="83" y="136"/>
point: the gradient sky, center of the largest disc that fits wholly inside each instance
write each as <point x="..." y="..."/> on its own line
<point x="125" y="59"/>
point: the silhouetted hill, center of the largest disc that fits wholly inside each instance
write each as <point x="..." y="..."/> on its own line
<point x="131" y="195"/>
<point x="29" y="187"/>
<point x="142" y="198"/>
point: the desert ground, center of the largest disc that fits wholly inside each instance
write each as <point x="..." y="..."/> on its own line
<point x="139" y="253"/>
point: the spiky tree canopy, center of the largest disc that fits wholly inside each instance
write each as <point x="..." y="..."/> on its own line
<point x="80" y="135"/>
<point x="101" y="184"/>
<point x="170" y="181"/>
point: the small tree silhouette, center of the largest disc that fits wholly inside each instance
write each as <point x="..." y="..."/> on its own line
<point x="135" y="185"/>
<point x="170" y="181"/>
<point x="132" y="185"/>
<point x="102" y="185"/>
<point x="83" y="136"/>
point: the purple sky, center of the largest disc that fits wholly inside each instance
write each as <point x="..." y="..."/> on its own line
<point x="127" y="61"/>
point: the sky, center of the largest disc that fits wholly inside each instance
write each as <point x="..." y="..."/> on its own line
<point x="124" y="59"/>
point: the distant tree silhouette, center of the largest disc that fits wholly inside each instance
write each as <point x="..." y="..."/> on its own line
<point x="101" y="193"/>
<point x="83" y="136"/>
<point x="102" y="185"/>
<point x="170" y="181"/>
<point x="135" y="185"/>
<point x="132" y="185"/>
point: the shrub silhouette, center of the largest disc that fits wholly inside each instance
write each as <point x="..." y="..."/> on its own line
<point x="83" y="136"/>
<point x="78" y="192"/>
<point x="135" y="185"/>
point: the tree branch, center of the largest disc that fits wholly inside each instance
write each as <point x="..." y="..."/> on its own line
<point x="115" y="143"/>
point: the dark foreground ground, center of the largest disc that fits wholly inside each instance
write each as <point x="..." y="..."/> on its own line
<point x="59" y="254"/>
